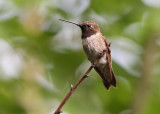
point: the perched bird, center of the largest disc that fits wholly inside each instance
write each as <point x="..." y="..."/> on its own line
<point x="97" y="50"/>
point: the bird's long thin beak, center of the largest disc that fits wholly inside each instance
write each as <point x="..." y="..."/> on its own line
<point x="70" y="22"/>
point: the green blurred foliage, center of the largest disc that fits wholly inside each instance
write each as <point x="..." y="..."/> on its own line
<point x="40" y="56"/>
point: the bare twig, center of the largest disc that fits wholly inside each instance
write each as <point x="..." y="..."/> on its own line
<point x="73" y="88"/>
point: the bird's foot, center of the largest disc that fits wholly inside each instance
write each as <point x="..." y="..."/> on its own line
<point x="101" y="54"/>
<point x="93" y="64"/>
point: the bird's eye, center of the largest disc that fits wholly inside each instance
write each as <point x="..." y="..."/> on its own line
<point x="89" y="26"/>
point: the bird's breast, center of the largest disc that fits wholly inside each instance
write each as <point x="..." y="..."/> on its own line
<point x="93" y="45"/>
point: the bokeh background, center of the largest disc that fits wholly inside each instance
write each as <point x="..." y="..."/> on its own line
<point x="41" y="56"/>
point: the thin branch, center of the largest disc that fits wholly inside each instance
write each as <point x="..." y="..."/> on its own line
<point x="73" y="88"/>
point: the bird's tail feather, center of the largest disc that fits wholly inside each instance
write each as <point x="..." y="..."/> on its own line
<point x="106" y="83"/>
<point x="112" y="82"/>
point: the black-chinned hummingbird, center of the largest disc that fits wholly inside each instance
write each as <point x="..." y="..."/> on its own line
<point x="97" y="47"/>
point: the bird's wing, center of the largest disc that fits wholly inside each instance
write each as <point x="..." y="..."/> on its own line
<point x="106" y="72"/>
<point x="108" y="56"/>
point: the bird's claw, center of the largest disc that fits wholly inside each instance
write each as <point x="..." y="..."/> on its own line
<point x="102" y="53"/>
<point x="93" y="64"/>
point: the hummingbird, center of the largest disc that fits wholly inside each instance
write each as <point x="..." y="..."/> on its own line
<point x="98" y="51"/>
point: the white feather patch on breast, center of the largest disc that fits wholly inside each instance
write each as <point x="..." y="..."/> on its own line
<point x="93" y="41"/>
<point x="103" y="60"/>
<point x="94" y="45"/>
